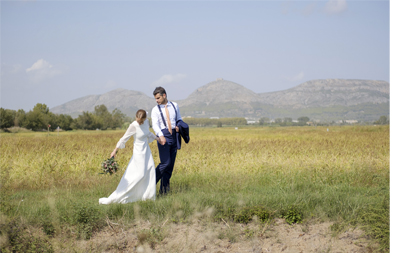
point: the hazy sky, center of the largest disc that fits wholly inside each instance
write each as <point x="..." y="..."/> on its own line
<point x="56" y="51"/>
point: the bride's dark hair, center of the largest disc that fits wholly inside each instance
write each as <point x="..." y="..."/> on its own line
<point x="141" y="116"/>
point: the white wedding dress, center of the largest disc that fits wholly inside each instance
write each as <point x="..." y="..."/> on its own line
<point x="139" y="180"/>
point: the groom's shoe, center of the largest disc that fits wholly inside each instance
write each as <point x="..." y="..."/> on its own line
<point x="164" y="190"/>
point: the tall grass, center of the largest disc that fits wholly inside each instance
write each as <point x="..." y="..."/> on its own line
<point x="340" y="175"/>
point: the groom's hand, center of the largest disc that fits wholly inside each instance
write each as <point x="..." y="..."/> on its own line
<point x="162" y="140"/>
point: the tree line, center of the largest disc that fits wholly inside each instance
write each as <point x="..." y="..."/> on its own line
<point x="40" y="118"/>
<point x="265" y="121"/>
<point x="227" y="121"/>
<point x="240" y="121"/>
<point x="286" y="121"/>
<point x="304" y="120"/>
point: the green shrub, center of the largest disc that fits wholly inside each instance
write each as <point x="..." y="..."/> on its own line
<point x="246" y="214"/>
<point x="48" y="228"/>
<point x="152" y="236"/>
<point x="6" y="206"/>
<point x="223" y="211"/>
<point x="292" y="214"/>
<point x="87" y="219"/>
<point x="21" y="240"/>
<point x="115" y="210"/>
<point x="376" y="222"/>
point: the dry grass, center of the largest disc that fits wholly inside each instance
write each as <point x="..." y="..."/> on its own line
<point x="353" y="155"/>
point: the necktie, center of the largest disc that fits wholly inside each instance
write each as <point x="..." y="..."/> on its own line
<point x="168" y="119"/>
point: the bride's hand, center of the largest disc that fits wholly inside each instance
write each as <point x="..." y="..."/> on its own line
<point x="113" y="153"/>
<point x="162" y="140"/>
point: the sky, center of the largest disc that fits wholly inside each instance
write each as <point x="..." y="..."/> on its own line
<point x="53" y="52"/>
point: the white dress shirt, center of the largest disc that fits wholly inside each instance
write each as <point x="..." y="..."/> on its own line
<point x="157" y="121"/>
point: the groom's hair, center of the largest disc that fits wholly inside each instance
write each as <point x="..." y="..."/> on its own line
<point x="159" y="90"/>
<point x="141" y="116"/>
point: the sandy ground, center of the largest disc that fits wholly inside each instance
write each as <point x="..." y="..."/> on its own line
<point x="209" y="237"/>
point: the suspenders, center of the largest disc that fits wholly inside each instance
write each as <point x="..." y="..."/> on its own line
<point x="162" y="116"/>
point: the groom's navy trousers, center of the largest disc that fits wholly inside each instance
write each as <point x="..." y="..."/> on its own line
<point x="167" y="160"/>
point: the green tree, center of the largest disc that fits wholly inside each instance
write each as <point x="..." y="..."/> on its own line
<point x="20" y="118"/>
<point x="234" y="121"/>
<point x="263" y="121"/>
<point x="303" y="120"/>
<point x="39" y="117"/>
<point x="87" y="120"/>
<point x="287" y="121"/>
<point x="35" y="121"/>
<point x="6" y="118"/>
<point x="64" y="122"/>
<point x="52" y="120"/>
<point x="117" y="118"/>
<point x="104" y="116"/>
<point x="227" y="121"/>
<point x="42" y="108"/>
<point x="383" y="120"/>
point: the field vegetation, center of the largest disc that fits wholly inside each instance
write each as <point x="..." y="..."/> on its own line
<point x="50" y="184"/>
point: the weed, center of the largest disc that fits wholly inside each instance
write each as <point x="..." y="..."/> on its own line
<point x="232" y="236"/>
<point x="292" y="214"/>
<point x="6" y="206"/>
<point x="48" y="228"/>
<point x="151" y="236"/>
<point x="376" y="223"/>
<point x="246" y="214"/>
<point x="223" y="211"/>
<point x="229" y="234"/>
<point x="21" y="240"/>
<point x="248" y="233"/>
<point x="87" y="219"/>
<point x="118" y="210"/>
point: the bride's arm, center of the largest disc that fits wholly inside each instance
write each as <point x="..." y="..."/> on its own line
<point x="129" y="132"/>
<point x="151" y="137"/>
<point x="121" y="143"/>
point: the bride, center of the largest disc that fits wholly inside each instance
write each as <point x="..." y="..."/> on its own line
<point x="139" y="179"/>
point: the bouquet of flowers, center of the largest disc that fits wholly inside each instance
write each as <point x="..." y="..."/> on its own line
<point x="109" y="166"/>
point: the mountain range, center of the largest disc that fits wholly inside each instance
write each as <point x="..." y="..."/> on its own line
<point x="328" y="100"/>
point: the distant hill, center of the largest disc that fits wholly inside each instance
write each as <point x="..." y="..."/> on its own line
<point x="220" y="92"/>
<point x="127" y="101"/>
<point x="331" y="92"/>
<point x="330" y="99"/>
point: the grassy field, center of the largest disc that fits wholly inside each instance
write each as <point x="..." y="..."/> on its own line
<point x="50" y="185"/>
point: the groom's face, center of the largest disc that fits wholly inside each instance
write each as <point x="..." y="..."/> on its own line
<point x="160" y="99"/>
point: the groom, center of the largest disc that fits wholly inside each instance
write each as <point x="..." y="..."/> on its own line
<point x="164" y="117"/>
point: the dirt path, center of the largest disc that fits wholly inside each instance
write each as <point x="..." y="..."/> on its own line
<point x="211" y="237"/>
